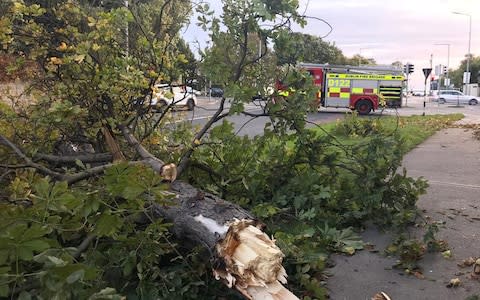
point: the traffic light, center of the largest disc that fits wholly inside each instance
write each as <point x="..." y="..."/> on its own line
<point x="444" y="70"/>
<point x="410" y="68"/>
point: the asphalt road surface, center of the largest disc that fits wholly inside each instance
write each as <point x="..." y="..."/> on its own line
<point x="245" y="125"/>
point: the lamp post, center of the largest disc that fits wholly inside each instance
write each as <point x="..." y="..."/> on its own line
<point x="448" y="59"/>
<point x="469" y="39"/>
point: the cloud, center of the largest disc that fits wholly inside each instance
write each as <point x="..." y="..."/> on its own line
<point x="390" y="30"/>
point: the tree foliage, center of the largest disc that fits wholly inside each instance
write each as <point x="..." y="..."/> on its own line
<point x="457" y="74"/>
<point x="299" y="47"/>
<point x="293" y="47"/>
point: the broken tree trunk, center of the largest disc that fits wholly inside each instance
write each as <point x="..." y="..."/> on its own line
<point x="243" y="256"/>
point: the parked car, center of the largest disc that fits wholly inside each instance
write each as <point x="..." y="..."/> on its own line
<point x="216" y="92"/>
<point x="418" y="93"/>
<point x="258" y="97"/>
<point x="164" y="94"/>
<point x="267" y="94"/>
<point x="452" y="96"/>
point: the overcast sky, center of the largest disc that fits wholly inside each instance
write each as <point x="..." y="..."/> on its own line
<point x="387" y="30"/>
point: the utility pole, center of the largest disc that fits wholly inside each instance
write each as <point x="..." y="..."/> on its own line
<point x="467" y="76"/>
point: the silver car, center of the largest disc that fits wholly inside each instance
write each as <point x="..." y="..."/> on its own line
<point x="452" y="96"/>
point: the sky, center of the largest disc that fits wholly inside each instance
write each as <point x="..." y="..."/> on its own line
<point x="388" y="31"/>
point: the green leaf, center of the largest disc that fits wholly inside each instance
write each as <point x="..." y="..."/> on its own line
<point x="35" y="231"/>
<point x="4" y="290"/>
<point x="4" y="270"/>
<point x="106" y="293"/>
<point x="132" y="192"/>
<point x="75" y="276"/>
<point x="56" y="261"/>
<point x="3" y="253"/>
<point x="36" y="245"/>
<point x="24" y="296"/>
<point x="24" y="254"/>
<point x="309" y="232"/>
<point x="108" y="225"/>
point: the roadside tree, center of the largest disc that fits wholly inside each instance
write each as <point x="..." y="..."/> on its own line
<point x="457" y="74"/>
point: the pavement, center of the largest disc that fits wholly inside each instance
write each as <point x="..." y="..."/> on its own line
<point x="450" y="161"/>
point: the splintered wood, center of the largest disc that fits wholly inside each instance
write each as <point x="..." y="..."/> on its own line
<point x="253" y="263"/>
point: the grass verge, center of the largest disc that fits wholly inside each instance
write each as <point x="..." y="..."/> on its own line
<point x="412" y="129"/>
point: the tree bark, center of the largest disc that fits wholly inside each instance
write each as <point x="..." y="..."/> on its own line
<point x="243" y="256"/>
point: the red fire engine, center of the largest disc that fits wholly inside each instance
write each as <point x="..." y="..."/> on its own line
<point x="361" y="88"/>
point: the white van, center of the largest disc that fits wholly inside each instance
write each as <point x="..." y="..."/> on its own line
<point x="166" y="95"/>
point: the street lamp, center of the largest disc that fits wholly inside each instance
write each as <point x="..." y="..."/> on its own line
<point x="469" y="38"/>
<point x="448" y="58"/>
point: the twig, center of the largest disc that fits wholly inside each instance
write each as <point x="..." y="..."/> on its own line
<point x="84" y="246"/>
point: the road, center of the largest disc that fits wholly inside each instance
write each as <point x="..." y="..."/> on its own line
<point x="245" y="125"/>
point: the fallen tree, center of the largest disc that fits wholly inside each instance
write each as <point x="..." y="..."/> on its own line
<point x="98" y="65"/>
<point x="243" y="256"/>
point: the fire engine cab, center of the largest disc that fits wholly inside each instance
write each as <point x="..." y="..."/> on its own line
<point x="360" y="88"/>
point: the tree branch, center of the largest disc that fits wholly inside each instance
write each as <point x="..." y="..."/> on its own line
<point x="74" y="178"/>
<point x="69" y="178"/>
<point x="28" y="161"/>
<point x="156" y="164"/>
<point x="84" y="245"/>
<point x="186" y="156"/>
<point x="85" y="158"/>
<point x="243" y="56"/>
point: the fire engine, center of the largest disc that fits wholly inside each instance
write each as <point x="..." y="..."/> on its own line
<point x="360" y="88"/>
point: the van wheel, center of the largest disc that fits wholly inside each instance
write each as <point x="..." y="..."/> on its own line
<point x="363" y="107"/>
<point x="190" y="104"/>
<point x="473" y="102"/>
<point x="161" y="106"/>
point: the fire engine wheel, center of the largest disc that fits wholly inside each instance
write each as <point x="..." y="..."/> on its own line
<point x="363" y="107"/>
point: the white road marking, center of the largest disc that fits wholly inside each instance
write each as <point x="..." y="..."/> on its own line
<point x="207" y="117"/>
<point x="469" y="186"/>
